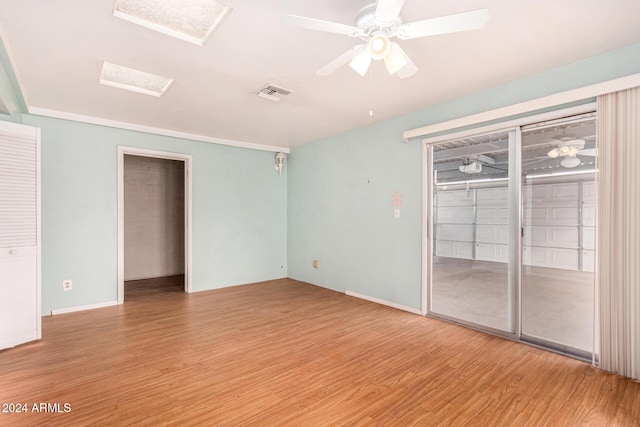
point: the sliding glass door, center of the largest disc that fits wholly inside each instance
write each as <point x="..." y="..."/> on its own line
<point x="558" y="253"/>
<point x="470" y="252"/>
<point x="511" y="232"/>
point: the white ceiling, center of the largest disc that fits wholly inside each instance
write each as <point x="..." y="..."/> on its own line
<point x="57" y="49"/>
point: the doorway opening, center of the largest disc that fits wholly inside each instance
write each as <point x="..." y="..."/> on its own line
<point x="154" y="213"/>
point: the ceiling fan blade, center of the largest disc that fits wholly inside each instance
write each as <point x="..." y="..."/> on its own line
<point x="388" y="10"/>
<point x="409" y="69"/>
<point x="535" y="160"/>
<point x="588" y="152"/>
<point x="341" y="60"/>
<point x="575" y="142"/>
<point x="464" y="21"/>
<point x="320" y="25"/>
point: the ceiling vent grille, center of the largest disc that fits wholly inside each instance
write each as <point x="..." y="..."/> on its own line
<point x="273" y="92"/>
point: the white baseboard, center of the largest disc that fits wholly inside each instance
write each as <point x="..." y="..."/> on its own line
<point x="15" y="339"/>
<point x="83" y="307"/>
<point x="383" y="302"/>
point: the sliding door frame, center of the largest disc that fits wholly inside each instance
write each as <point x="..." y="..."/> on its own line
<point x="514" y="146"/>
<point x="427" y="225"/>
<point x="515" y="230"/>
<point x="515" y="213"/>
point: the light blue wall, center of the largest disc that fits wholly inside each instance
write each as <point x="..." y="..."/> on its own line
<point x="250" y="224"/>
<point x="10" y="94"/>
<point x="239" y="211"/>
<point x="341" y="213"/>
<point x="340" y="188"/>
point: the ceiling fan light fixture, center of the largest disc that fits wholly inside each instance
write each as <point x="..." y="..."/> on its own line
<point x="361" y="62"/>
<point x="395" y="60"/>
<point x="379" y="46"/>
<point x="553" y="153"/>
<point x="570" y="162"/>
<point x="564" y="151"/>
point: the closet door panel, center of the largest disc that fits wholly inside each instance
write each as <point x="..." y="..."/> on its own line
<point x="19" y="240"/>
<point x="17" y="296"/>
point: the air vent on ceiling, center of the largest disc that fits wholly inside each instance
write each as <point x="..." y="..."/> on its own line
<point x="273" y="92"/>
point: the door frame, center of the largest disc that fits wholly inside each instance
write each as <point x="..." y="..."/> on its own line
<point x="442" y="135"/>
<point x="515" y="213"/>
<point x="188" y="211"/>
<point x="514" y="225"/>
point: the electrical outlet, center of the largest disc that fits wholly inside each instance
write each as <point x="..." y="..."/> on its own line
<point x="67" y="285"/>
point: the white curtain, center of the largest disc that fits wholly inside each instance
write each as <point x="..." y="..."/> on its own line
<point x="619" y="231"/>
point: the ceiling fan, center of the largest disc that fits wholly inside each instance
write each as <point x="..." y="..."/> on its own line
<point x="569" y="147"/>
<point x="379" y="22"/>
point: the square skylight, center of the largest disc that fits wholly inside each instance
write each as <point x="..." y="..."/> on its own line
<point x="190" y="20"/>
<point x="134" y="80"/>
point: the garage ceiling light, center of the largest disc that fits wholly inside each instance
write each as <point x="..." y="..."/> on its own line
<point x="189" y="20"/>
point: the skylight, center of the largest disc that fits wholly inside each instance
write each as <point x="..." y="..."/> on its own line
<point x="189" y="20"/>
<point x="134" y="80"/>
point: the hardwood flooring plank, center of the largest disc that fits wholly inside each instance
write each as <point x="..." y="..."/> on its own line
<point x="286" y="353"/>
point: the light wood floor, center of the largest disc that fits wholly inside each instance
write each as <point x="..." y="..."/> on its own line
<point x="288" y="353"/>
<point x="135" y="290"/>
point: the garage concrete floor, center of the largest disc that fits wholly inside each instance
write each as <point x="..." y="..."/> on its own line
<point x="557" y="305"/>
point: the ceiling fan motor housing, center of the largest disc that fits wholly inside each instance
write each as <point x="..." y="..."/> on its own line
<point x="366" y="21"/>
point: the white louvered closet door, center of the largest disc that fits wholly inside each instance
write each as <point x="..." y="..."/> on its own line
<point x="19" y="234"/>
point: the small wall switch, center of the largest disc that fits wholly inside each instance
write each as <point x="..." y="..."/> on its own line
<point x="315" y="263"/>
<point x="396" y="213"/>
<point x="67" y="285"/>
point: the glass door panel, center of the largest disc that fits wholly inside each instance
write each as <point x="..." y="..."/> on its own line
<point x="558" y="253"/>
<point x="470" y="240"/>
